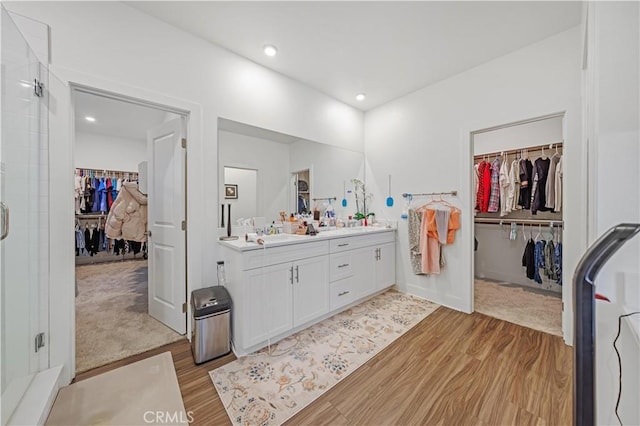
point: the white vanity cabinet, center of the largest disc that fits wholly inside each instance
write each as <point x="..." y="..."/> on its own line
<point x="275" y="289"/>
<point x="285" y="286"/>
<point x="360" y="266"/>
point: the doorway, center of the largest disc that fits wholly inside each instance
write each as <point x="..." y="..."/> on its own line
<point x="518" y="222"/>
<point x="127" y="152"/>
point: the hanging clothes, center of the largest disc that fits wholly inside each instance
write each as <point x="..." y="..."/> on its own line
<point x="540" y="174"/>
<point x="557" y="205"/>
<point x="494" y="198"/>
<point x="550" y="188"/>
<point x="414" y="227"/>
<point x="550" y="261"/>
<point x="528" y="258"/>
<point x="429" y="246"/>
<point x="558" y="262"/>
<point x="526" y="171"/>
<point x="484" y="187"/>
<point x="432" y="257"/>
<point x="513" y="195"/>
<point x="539" y="260"/>
<point x="505" y="182"/>
<point x="109" y="188"/>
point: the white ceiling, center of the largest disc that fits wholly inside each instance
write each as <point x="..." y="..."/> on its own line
<point x="116" y="118"/>
<point x="385" y="49"/>
<point x="255" y="132"/>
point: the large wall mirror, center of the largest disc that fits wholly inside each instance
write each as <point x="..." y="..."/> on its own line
<point x="263" y="172"/>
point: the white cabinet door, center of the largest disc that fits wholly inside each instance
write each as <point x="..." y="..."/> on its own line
<point x="310" y="289"/>
<point x="268" y="308"/>
<point x="385" y="266"/>
<point x="364" y="267"/>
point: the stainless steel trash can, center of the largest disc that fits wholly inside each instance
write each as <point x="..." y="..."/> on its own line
<point x="211" y="325"/>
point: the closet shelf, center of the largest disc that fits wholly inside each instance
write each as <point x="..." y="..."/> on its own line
<point x="91" y="216"/>
<point x="550" y="222"/>
<point x="547" y="146"/>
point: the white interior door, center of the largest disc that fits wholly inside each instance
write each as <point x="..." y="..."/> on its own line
<point x="166" y="213"/>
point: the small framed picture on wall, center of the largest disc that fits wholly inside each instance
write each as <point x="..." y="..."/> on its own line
<point x="230" y="191"/>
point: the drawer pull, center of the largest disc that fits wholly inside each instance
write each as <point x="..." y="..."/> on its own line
<point x="344" y="265"/>
<point x="343" y="245"/>
<point x="343" y="293"/>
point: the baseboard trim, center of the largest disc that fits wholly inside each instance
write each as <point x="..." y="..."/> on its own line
<point x="35" y="405"/>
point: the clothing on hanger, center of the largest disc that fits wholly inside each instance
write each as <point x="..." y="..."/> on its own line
<point x="557" y="205"/>
<point x="526" y="171"/>
<point x="540" y="174"/>
<point x="550" y="188"/>
<point x="494" y="197"/>
<point x="539" y="260"/>
<point x="528" y="258"/>
<point x="505" y="183"/>
<point x="513" y="195"/>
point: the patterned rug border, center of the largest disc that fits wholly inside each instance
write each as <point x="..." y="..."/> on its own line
<point x="432" y="308"/>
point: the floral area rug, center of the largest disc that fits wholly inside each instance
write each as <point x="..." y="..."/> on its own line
<point x="270" y="386"/>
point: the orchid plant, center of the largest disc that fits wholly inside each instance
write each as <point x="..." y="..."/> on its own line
<point x="363" y="197"/>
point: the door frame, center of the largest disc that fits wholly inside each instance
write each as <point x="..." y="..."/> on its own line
<point x="62" y="126"/>
<point x="467" y="155"/>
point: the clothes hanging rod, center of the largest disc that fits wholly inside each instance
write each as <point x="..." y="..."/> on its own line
<point x="409" y="194"/>
<point x="550" y="146"/>
<point x="101" y="172"/>
<point x="550" y="222"/>
<point x="91" y="216"/>
<point x="324" y="199"/>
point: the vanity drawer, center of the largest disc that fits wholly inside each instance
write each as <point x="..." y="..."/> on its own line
<point x="342" y="292"/>
<point x="280" y="254"/>
<point x="340" y="265"/>
<point x="337" y="245"/>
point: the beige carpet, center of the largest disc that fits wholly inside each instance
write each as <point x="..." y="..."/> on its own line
<point x="519" y="306"/>
<point x="111" y="314"/>
<point x="145" y="392"/>
<point x="268" y="387"/>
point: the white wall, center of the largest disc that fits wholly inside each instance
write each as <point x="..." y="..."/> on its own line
<point x="271" y="161"/>
<point x="95" y="151"/>
<point x="245" y="206"/>
<point x="422" y="139"/>
<point x="613" y="116"/>
<point x="112" y="46"/>
<point x="521" y="136"/>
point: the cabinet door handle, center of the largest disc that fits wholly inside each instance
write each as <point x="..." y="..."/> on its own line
<point x="291" y="276"/>
<point x="344" y="265"/>
<point x="297" y="274"/>
<point x="343" y="293"/>
<point x="343" y="245"/>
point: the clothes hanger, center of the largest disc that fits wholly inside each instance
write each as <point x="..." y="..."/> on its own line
<point x="539" y="234"/>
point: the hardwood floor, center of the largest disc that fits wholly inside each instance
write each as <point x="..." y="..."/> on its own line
<point x="451" y="369"/>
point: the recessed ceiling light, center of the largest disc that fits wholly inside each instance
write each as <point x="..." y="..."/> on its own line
<point x="91" y="119"/>
<point x="270" y="50"/>
<point x="360" y="97"/>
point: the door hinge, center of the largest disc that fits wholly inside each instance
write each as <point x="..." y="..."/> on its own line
<point x="37" y="88"/>
<point x="184" y="308"/>
<point x="184" y="143"/>
<point x="184" y="225"/>
<point x="39" y="341"/>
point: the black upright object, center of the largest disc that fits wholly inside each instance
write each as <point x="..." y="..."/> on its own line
<point x="584" y="318"/>
<point x="222" y="216"/>
<point x="229" y="220"/>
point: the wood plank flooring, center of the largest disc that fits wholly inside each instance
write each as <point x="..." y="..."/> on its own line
<point x="451" y="369"/>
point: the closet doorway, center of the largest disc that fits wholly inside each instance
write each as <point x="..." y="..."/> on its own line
<point x="518" y="222"/>
<point x="118" y="288"/>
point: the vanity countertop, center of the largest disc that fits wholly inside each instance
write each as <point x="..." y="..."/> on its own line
<point x="286" y="239"/>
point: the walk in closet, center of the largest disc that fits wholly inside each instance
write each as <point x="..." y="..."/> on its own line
<point x="112" y="313"/>
<point x="95" y="193"/>
<point x="517" y="198"/>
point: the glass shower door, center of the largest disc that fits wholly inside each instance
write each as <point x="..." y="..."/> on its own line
<point x="23" y="216"/>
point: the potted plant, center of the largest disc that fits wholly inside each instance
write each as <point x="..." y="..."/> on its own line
<point x="362" y="197"/>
